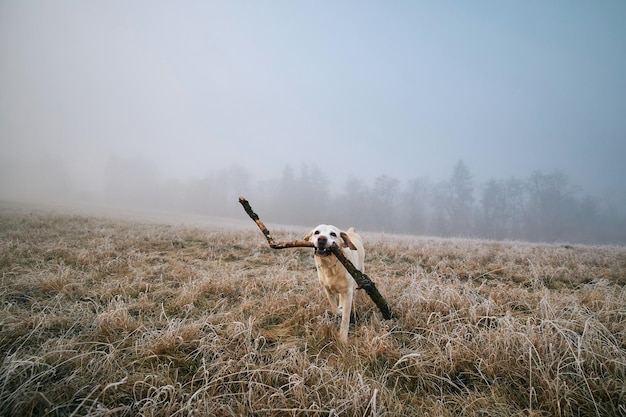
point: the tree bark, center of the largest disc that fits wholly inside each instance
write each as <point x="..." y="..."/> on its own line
<point x="266" y="233"/>
<point x="364" y="282"/>
<point x="361" y="279"/>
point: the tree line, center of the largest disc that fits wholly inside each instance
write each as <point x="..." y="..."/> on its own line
<point x="544" y="207"/>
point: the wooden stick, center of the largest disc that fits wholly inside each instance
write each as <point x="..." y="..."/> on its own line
<point x="361" y="279"/>
<point x="266" y="233"/>
<point x="364" y="282"/>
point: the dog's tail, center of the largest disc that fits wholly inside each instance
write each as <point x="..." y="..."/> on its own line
<point x="351" y="230"/>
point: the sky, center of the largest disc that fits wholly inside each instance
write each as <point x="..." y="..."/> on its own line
<point x="357" y="88"/>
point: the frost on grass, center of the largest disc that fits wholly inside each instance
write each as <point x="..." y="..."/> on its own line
<point x="110" y="317"/>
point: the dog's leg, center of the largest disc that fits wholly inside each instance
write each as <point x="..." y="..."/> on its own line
<point x="346" y="307"/>
<point x="332" y="299"/>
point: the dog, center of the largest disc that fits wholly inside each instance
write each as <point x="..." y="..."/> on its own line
<point x="337" y="282"/>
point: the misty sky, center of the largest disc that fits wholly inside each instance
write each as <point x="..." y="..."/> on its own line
<point x="361" y="88"/>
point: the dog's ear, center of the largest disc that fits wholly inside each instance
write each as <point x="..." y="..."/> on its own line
<point x="308" y="235"/>
<point x="346" y="240"/>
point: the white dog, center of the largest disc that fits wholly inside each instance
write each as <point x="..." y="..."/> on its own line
<point x="335" y="279"/>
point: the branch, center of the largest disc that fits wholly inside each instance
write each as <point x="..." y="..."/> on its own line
<point x="266" y="233"/>
<point x="364" y="282"/>
<point x="361" y="279"/>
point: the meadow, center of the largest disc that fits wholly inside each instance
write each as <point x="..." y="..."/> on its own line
<point x="106" y="316"/>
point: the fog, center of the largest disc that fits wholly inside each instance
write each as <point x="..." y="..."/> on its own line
<point x="483" y="119"/>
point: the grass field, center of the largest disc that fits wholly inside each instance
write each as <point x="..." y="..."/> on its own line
<point x="102" y="316"/>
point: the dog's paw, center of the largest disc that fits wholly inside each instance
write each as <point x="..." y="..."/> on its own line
<point x="332" y="317"/>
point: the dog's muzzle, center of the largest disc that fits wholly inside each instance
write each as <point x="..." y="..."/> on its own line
<point x="322" y="246"/>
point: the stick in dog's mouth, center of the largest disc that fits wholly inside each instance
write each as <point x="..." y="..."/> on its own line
<point x="323" y="252"/>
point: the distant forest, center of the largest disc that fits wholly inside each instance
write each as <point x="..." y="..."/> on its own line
<point x="543" y="207"/>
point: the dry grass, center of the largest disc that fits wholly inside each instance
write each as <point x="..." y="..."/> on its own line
<point x="106" y="317"/>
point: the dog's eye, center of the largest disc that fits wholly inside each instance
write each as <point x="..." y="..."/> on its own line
<point x="333" y="234"/>
<point x="317" y="232"/>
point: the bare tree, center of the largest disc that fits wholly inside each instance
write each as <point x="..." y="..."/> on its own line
<point x="414" y="205"/>
<point x="385" y="200"/>
<point x="495" y="210"/>
<point x="353" y="207"/>
<point x="550" y="206"/>
<point x="453" y="203"/>
<point x="303" y="198"/>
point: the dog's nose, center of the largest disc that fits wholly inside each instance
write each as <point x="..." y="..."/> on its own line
<point x="321" y="241"/>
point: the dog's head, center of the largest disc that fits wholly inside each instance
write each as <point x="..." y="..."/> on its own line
<point x="323" y="237"/>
